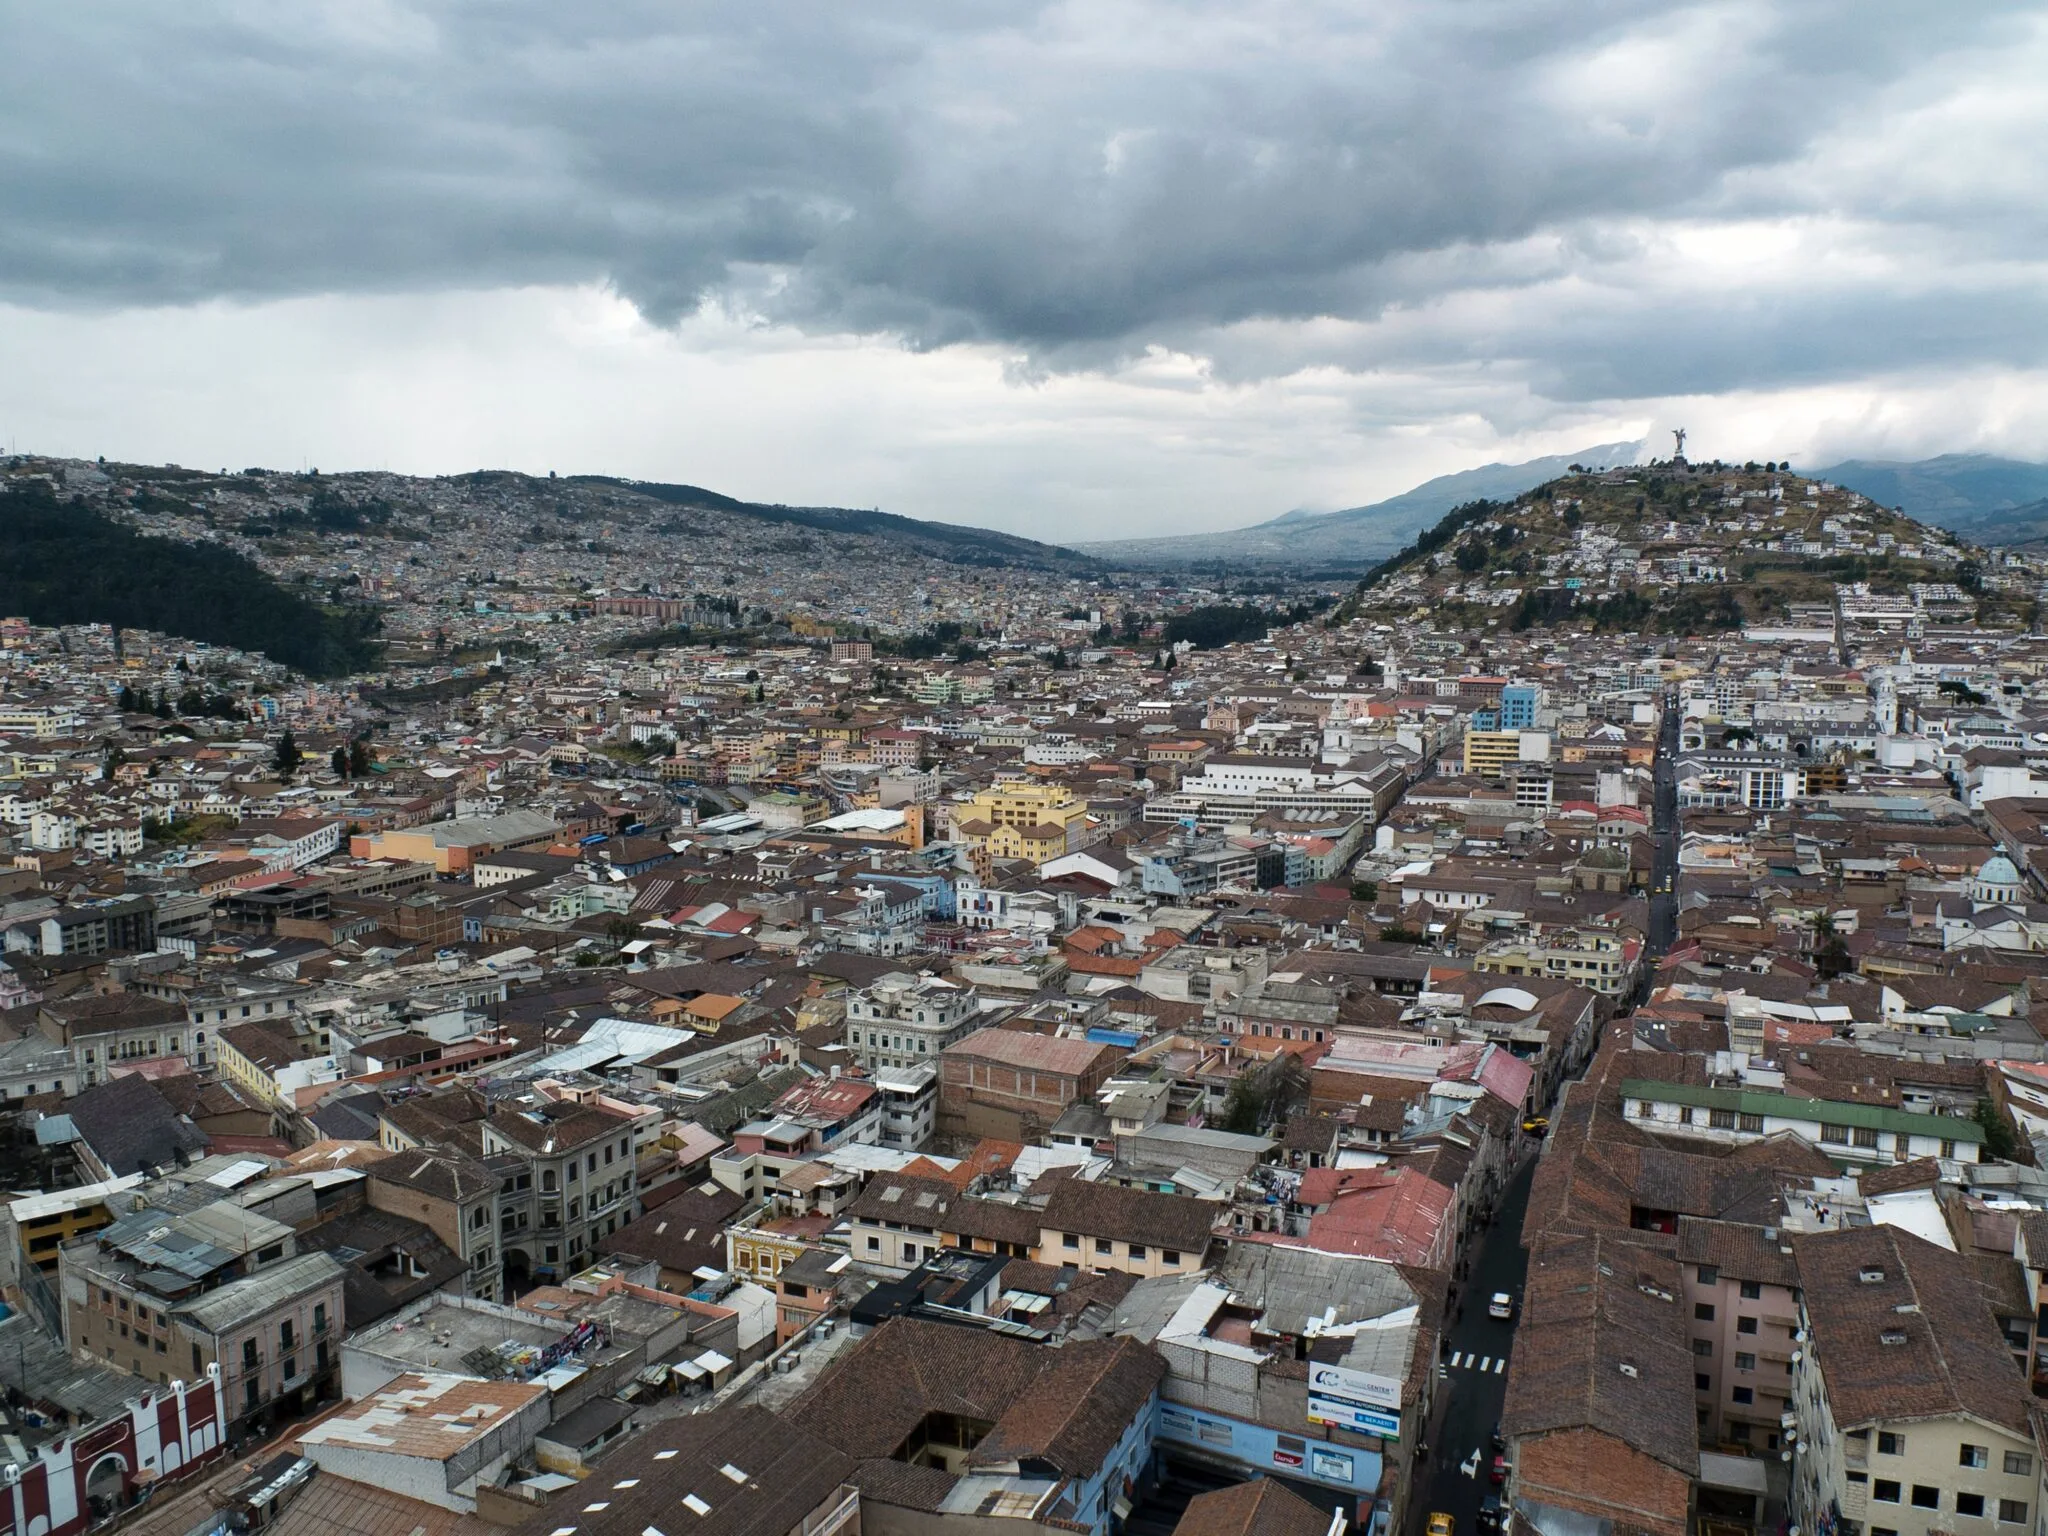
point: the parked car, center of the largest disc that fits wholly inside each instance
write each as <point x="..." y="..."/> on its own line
<point x="1502" y="1305"/>
<point x="1491" y="1513"/>
<point x="1499" y="1475"/>
<point x="1441" y="1524"/>
<point x="1500" y="1441"/>
<point x="1536" y="1125"/>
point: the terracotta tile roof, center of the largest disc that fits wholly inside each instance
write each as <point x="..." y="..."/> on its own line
<point x="1142" y="1216"/>
<point x="1604" y="1346"/>
<point x="1066" y="1406"/>
<point x="1261" y="1507"/>
<point x="1901" y="1329"/>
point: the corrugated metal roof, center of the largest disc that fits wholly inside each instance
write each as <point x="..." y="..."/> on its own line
<point x="242" y="1300"/>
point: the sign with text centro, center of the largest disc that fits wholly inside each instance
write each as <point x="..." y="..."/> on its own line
<point x="1354" y="1416"/>
<point x="1354" y="1386"/>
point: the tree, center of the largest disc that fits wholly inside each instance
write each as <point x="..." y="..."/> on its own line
<point x="339" y="762"/>
<point x="2000" y="1140"/>
<point x="1830" y="953"/>
<point x="113" y="760"/>
<point x="284" y="762"/>
<point x="127" y="703"/>
<point x="359" y="759"/>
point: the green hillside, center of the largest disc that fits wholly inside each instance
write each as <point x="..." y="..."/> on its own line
<point x="64" y="564"/>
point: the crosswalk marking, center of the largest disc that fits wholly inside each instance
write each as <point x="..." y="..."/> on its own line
<point x="1500" y="1365"/>
<point x="1486" y="1364"/>
<point x="1458" y="1358"/>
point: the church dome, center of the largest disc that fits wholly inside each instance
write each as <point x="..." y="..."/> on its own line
<point x="1998" y="870"/>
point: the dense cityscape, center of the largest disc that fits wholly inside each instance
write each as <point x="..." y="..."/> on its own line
<point x="1023" y="769"/>
<point x="809" y="1027"/>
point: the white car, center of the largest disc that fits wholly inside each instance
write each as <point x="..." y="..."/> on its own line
<point x="1502" y="1305"/>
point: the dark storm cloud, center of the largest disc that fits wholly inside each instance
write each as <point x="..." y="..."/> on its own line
<point x="1077" y="181"/>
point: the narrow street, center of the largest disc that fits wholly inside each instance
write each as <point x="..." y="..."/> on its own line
<point x="1664" y="840"/>
<point x="1474" y="1380"/>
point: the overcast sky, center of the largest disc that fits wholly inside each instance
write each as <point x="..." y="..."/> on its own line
<point x="1115" y="267"/>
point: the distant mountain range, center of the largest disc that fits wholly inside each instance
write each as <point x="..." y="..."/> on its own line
<point x="1359" y="535"/>
<point x="1987" y="500"/>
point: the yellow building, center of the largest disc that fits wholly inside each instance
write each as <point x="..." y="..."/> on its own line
<point x="1023" y="821"/>
<point x="47" y="1222"/>
<point x="1488" y="753"/>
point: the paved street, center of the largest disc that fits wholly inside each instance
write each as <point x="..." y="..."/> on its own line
<point x="1470" y="1395"/>
<point x="1664" y="839"/>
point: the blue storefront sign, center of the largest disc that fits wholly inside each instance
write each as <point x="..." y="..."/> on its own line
<point x="1259" y="1449"/>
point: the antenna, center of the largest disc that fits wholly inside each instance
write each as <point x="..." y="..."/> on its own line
<point x="1679" y="453"/>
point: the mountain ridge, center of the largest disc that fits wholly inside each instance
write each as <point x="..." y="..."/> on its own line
<point x="1362" y="534"/>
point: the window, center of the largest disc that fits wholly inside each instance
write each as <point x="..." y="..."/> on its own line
<point x="1752" y="1291"/>
<point x="1925" y="1497"/>
<point x="1889" y="1444"/>
<point x="1973" y="1456"/>
<point x="1168" y="1257"/>
<point x="1866" y="1136"/>
<point x="1743" y="1395"/>
<point x="1834" y="1133"/>
<point x="1137" y="1250"/>
<point x="2012" y="1511"/>
<point x="1751" y="1123"/>
<point x="1069" y="1240"/>
<point x="1744" y="1361"/>
<point x="284" y="1334"/>
<point x="1745" y="1325"/>
<point x="1102" y="1245"/>
<point x="1721" y="1119"/>
<point x="1703" y="1311"/>
<point x="1970" y="1504"/>
<point x="1882" y="1530"/>
<point x="910" y="1253"/>
<point x="547" y="1179"/>
<point x="1703" y="1348"/>
<point x="1709" y="1275"/>
<point x="575" y="1172"/>
<point x="1885" y="1490"/>
<point x="2019" y="1464"/>
<point x="1701" y="1383"/>
<point x="196" y="1366"/>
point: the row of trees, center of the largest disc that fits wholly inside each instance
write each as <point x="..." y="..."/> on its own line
<point x="192" y="704"/>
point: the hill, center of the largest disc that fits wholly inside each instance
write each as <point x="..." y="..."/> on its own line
<point x="67" y="564"/>
<point x="953" y="542"/>
<point x="1359" y="535"/>
<point x="1670" y="548"/>
<point x="1989" y="500"/>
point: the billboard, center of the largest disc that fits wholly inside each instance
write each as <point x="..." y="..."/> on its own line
<point x="1354" y="1416"/>
<point x="1354" y="1386"/>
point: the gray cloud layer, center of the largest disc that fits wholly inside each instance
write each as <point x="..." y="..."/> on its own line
<point x="1454" y="182"/>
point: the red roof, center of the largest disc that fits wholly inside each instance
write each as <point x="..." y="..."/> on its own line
<point x="1400" y="1217"/>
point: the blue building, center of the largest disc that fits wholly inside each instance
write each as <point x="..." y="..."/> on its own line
<point x="1518" y="703"/>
